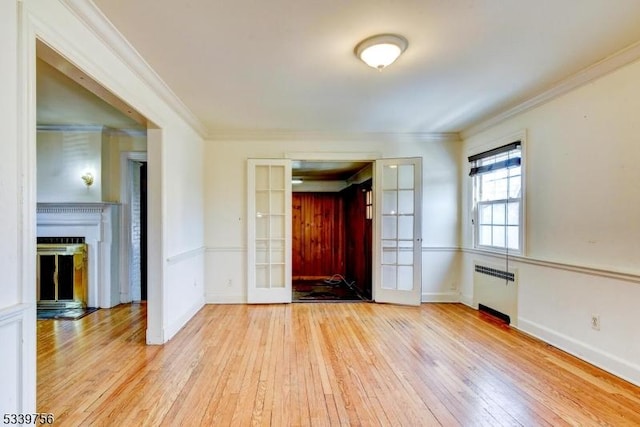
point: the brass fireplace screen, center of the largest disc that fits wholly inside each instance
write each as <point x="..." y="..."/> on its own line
<point x="62" y="272"/>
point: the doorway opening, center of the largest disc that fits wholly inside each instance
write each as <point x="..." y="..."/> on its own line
<point x="134" y="226"/>
<point x="332" y="213"/>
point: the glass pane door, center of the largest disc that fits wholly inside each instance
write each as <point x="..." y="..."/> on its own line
<point x="399" y="248"/>
<point x="269" y="231"/>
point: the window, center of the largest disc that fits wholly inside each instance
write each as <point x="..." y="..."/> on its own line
<point x="368" y="205"/>
<point x="497" y="198"/>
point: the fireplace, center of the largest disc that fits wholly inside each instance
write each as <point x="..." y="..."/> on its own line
<point x="94" y="229"/>
<point x="61" y="272"/>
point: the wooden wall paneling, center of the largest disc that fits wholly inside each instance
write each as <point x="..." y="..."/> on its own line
<point x="318" y="235"/>
<point x="358" y="239"/>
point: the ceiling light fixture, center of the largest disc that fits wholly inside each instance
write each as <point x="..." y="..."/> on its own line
<point x="381" y="50"/>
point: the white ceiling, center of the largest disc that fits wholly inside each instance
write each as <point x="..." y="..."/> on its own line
<point x="63" y="102"/>
<point x="288" y="65"/>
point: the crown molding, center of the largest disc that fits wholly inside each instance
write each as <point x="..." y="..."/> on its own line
<point x="99" y="24"/>
<point x="291" y="135"/>
<point x="91" y="128"/>
<point x="70" y="128"/>
<point x="601" y="68"/>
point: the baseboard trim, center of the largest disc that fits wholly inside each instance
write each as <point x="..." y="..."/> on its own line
<point x="610" y="363"/>
<point x="441" y="297"/>
<point x="467" y="300"/>
<point x="172" y="329"/>
<point x="224" y="299"/>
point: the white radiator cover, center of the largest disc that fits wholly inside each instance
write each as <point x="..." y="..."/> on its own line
<point x="492" y="289"/>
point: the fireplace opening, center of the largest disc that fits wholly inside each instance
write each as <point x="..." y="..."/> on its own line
<point x="61" y="272"/>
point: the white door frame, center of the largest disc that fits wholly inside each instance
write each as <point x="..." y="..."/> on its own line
<point x="128" y="160"/>
<point x="376" y="261"/>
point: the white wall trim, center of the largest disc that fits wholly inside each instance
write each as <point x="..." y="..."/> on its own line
<point x="226" y="249"/>
<point x="332" y="155"/>
<point x="175" y="327"/>
<point x="467" y="300"/>
<point x="453" y="297"/>
<point x="440" y="249"/>
<point x="222" y="298"/>
<point x="70" y="128"/>
<point x="586" y="75"/>
<point x="126" y="194"/>
<point x="91" y="128"/>
<point x="593" y="271"/>
<point x="98" y="24"/>
<point x="287" y="135"/>
<point x="13" y="313"/>
<point x="191" y="253"/>
<point x="604" y="360"/>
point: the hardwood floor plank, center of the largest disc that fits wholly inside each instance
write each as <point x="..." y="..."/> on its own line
<point x="320" y="364"/>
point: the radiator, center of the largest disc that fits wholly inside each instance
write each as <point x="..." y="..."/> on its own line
<point x="495" y="290"/>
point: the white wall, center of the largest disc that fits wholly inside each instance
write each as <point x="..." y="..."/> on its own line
<point x="175" y="158"/>
<point x="62" y="158"/>
<point x="116" y="141"/>
<point x="65" y="154"/>
<point x="582" y="231"/>
<point x="17" y="296"/>
<point x="226" y="194"/>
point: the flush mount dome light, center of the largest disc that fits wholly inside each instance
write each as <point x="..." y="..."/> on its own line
<point x="381" y="50"/>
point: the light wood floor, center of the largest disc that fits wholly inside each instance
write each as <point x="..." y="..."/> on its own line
<point x="320" y="364"/>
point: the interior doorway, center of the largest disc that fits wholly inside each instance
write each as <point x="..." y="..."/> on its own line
<point x="332" y="213"/>
<point x="134" y="226"/>
<point x="396" y="230"/>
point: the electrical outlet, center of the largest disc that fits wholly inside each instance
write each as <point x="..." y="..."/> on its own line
<point x="595" y="322"/>
<point x="229" y="283"/>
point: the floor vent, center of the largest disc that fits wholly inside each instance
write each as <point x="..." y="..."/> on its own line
<point x="496" y="291"/>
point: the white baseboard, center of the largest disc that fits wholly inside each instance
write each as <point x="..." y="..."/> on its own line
<point x="441" y="297"/>
<point x="610" y="363"/>
<point x="174" y="327"/>
<point x="467" y="300"/>
<point x="219" y="298"/>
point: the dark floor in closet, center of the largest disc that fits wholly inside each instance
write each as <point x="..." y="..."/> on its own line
<point x="323" y="290"/>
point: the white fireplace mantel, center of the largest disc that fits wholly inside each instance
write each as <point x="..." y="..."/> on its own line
<point x="98" y="223"/>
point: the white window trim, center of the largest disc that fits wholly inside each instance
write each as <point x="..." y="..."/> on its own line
<point x="473" y="219"/>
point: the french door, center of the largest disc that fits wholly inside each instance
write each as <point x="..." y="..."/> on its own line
<point x="269" y="231"/>
<point x="397" y="263"/>
<point x="397" y="231"/>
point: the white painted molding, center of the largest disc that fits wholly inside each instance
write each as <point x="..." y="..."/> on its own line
<point x="174" y="259"/>
<point x="97" y="22"/>
<point x="593" y="271"/>
<point x="92" y="128"/>
<point x="611" y="274"/>
<point x="73" y="208"/>
<point x="440" y="249"/>
<point x="586" y="75"/>
<point x="452" y="297"/>
<point x="467" y="300"/>
<point x="13" y="313"/>
<point x="70" y="128"/>
<point x="332" y="155"/>
<point x="222" y="298"/>
<point x="619" y="367"/>
<point x="173" y="328"/>
<point x="218" y="249"/>
<point x="291" y="135"/>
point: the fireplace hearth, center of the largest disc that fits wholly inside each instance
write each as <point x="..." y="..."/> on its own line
<point x="61" y="273"/>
